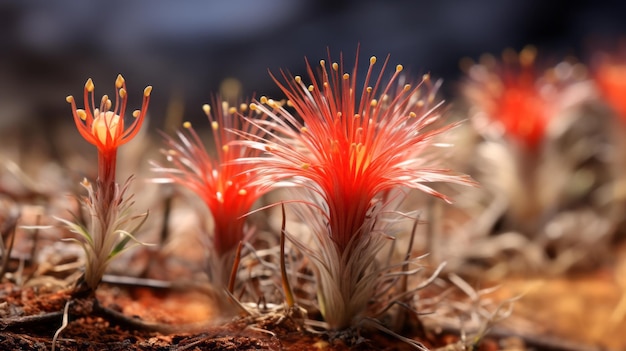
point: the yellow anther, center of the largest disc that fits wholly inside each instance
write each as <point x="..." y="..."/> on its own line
<point x="147" y="91"/>
<point x="407" y="87"/>
<point x="69" y="99"/>
<point x="426" y="78"/>
<point x="119" y="81"/>
<point x="136" y="113"/>
<point x="187" y="125"/>
<point x="263" y="100"/>
<point x="215" y="125"/>
<point x="207" y="109"/>
<point x="243" y="107"/>
<point x="268" y="148"/>
<point x="369" y="90"/>
<point x="322" y="63"/>
<point x="372" y="60"/>
<point x="399" y="68"/>
<point x="420" y="103"/>
<point x="89" y="86"/>
<point x="225" y="148"/>
<point x="311" y="88"/>
<point x="346" y="76"/>
<point x="335" y="66"/>
<point x="85" y="182"/>
<point x="305" y="166"/>
<point x="289" y="103"/>
<point x="232" y="110"/>
<point x="357" y="116"/>
<point x="374" y="102"/>
<point x="412" y="115"/>
<point x="304" y="130"/>
<point x="122" y="93"/>
<point x="242" y="192"/>
<point x="253" y="107"/>
<point x="298" y="79"/>
<point x="272" y="103"/>
<point x="326" y="85"/>
<point x="81" y="114"/>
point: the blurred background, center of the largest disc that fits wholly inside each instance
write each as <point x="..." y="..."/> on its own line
<point x="187" y="49"/>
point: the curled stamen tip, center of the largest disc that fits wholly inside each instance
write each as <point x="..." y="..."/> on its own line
<point x="147" y="91"/>
<point x="81" y="114"/>
<point x="207" y="109"/>
<point x="89" y="86"/>
<point x="186" y="124"/>
<point x="119" y="81"/>
<point x="399" y="68"/>
<point x="372" y="60"/>
<point x="69" y="99"/>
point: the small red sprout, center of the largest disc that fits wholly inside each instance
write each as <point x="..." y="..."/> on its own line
<point x="349" y="146"/>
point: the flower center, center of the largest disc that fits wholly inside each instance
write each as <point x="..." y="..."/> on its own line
<point x="106" y="122"/>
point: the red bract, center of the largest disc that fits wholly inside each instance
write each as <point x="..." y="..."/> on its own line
<point x="510" y="94"/>
<point x="224" y="186"/>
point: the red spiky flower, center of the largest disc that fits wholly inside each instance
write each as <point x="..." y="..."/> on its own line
<point x="510" y="94"/>
<point x="349" y="145"/>
<point x="224" y="187"/>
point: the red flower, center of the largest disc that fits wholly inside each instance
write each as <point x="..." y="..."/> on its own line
<point x="102" y="126"/>
<point x="610" y="77"/>
<point x="224" y="186"/>
<point x="349" y="146"/>
<point x="511" y="95"/>
<point x="105" y="128"/>
<point x="354" y="143"/>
